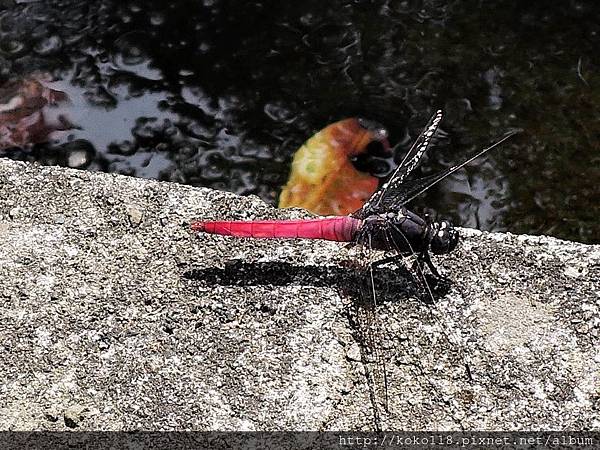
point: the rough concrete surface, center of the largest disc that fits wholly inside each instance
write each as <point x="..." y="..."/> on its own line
<point x="115" y="316"/>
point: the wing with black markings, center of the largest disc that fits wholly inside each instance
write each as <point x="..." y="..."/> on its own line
<point x="409" y="163"/>
<point x="397" y="196"/>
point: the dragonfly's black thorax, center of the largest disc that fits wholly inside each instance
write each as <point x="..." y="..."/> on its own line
<point x="402" y="231"/>
<point x="407" y="233"/>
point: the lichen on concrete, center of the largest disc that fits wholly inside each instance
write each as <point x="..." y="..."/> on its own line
<point x="115" y="316"/>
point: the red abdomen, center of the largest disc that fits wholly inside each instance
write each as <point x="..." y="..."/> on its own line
<point x="338" y="228"/>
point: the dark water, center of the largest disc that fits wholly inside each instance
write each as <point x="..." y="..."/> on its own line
<point x="221" y="93"/>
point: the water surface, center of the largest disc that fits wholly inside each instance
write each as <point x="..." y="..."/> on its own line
<point x="220" y="94"/>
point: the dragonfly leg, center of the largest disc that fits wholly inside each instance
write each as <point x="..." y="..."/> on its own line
<point x="425" y="258"/>
<point x="439" y="280"/>
<point x="422" y="259"/>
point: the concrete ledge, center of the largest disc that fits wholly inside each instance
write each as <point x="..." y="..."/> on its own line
<point x="106" y="325"/>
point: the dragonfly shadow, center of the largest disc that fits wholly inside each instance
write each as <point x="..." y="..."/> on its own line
<point x="273" y="273"/>
<point x="391" y="284"/>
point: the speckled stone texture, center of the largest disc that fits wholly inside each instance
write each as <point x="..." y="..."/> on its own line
<point x="115" y="316"/>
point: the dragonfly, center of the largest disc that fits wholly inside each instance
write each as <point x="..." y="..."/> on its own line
<point x="383" y="223"/>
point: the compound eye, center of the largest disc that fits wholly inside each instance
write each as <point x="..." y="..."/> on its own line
<point x="444" y="239"/>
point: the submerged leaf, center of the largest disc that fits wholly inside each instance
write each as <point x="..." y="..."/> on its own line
<point x="323" y="179"/>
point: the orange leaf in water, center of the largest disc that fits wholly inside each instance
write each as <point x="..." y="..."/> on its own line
<point x="323" y="179"/>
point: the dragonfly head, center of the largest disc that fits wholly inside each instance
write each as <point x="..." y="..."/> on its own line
<point x="443" y="237"/>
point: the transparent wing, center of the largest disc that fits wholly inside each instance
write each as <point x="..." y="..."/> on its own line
<point x="364" y="320"/>
<point x="407" y="165"/>
<point x="398" y="196"/>
<point x="369" y="287"/>
<point x="403" y="333"/>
